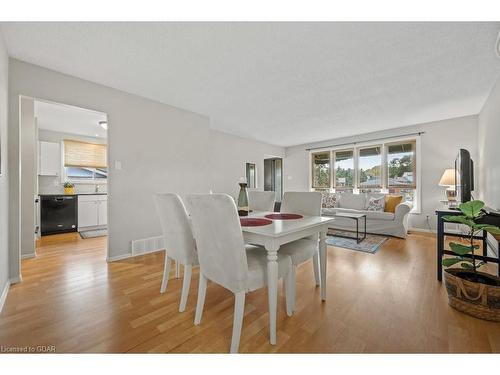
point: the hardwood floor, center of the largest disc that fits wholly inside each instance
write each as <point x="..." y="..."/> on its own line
<point x="389" y="302"/>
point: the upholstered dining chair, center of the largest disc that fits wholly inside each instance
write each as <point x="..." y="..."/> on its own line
<point x="179" y="241"/>
<point x="300" y="251"/>
<point x="261" y="200"/>
<point x="223" y="256"/>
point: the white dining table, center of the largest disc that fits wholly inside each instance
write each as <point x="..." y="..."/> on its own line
<point x="281" y="232"/>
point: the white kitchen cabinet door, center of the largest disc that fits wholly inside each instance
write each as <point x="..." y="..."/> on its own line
<point x="102" y="212"/>
<point x="87" y="214"/>
<point x="49" y="158"/>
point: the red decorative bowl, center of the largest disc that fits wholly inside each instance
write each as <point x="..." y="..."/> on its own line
<point x="284" y="216"/>
<point x="254" y="222"/>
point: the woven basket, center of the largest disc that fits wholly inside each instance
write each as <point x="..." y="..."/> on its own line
<point x="476" y="299"/>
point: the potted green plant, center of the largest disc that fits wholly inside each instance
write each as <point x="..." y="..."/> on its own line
<point x="469" y="290"/>
<point x="69" y="188"/>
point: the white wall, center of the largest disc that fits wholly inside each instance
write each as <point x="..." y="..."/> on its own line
<point x="489" y="149"/>
<point x="4" y="176"/>
<point x="439" y="147"/>
<point x="53" y="184"/>
<point x="161" y="149"/>
<point x="228" y="157"/>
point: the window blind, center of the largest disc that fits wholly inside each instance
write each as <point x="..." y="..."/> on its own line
<point x="84" y="154"/>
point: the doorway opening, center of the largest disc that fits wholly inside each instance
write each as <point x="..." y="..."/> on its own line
<point x="273" y="179"/>
<point x="64" y="177"/>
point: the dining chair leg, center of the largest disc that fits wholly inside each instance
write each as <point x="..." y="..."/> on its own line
<point x="202" y="290"/>
<point x="166" y="272"/>
<point x="185" y="286"/>
<point x="239" y="308"/>
<point x="289" y="282"/>
<point x="316" y="268"/>
<point x="177" y="269"/>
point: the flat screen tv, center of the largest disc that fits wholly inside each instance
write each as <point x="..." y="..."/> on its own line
<point x="464" y="176"/>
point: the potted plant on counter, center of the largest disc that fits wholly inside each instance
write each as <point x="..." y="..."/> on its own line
<point x="470" y="291"/>
<point x="69" y="188"/>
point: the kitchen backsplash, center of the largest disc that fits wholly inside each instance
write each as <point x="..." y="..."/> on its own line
<point x="53" y="185"/>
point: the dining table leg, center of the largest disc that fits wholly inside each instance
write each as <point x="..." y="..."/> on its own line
<point x="322" y="262"/>
<point x="272" y="288"/>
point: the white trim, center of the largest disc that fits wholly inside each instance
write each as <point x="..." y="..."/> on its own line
<point x="28" y="256"/>
<point x="119" y="257"/>
<point x="16" y="280"/>
<point x="3" y="297"/>
<point x="421" y="230"/>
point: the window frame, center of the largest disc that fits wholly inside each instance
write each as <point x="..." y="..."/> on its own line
<point x="414" y="169"/>
<point x="334" y="173"/>
<point x="381" y="177"/>
<point x="311" y="165"/>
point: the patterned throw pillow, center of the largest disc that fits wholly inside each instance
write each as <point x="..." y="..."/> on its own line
<point x="376" y="204"/>
<point x="329" y="200"/>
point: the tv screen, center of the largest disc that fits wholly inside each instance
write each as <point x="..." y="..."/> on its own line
<point x="464" y="176"/>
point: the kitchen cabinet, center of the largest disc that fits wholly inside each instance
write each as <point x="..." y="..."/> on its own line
<point x="49" y="158"/>
<point x="92" y="211"/>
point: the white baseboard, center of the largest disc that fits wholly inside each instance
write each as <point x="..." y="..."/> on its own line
<point x="28" y="256"/>
<point x="15" y="280"/>
<point x="3" y="297"/>
<point x="421" y="230"/>
<point x="119" y="257"/>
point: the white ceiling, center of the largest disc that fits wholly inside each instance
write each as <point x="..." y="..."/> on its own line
<point x="69" y="119"/>
<point x="282" y="83"/>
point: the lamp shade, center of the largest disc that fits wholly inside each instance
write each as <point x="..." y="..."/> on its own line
<point x="448" y="178"/>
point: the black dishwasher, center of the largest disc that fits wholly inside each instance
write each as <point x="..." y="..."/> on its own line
<point x="59" y="214"/>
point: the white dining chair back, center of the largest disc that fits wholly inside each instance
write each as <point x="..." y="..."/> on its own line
<point x="179" y="242"/>
<point x="261" y="200"/>
<point x="303" y="203"/>
<point x="224" y="258"/>
<point x="220" y="245"/>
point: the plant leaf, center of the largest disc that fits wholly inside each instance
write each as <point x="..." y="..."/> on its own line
<point x="460" y="249"/>
<point x="459" y="219"/>
<point x="492" y="230"/>
<point x="471" y="209"/>
<point x="451" y="261"/>
<point x="467" y="265"/>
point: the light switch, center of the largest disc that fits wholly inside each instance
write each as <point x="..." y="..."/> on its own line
<point x="118" y="165"/>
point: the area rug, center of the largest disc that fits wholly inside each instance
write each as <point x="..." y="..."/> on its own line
<point x="370" y="244"/>
<point x="94" y="233"/>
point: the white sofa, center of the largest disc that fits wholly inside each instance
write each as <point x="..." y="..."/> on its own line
<point x="377" y="222"/>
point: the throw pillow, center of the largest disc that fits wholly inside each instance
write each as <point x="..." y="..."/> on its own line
<point x="376" y="204"/>
<point x="329" y="200"/>
<point x="391" y="201"/>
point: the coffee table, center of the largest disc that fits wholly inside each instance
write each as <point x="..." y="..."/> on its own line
<point x="356" y="217"/>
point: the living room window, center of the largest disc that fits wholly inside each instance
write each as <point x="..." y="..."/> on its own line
<point x="321" y="170"/>
<point x="388" y="167"/>
<point x="343" y="162"/>
<point x="370" y="167"/>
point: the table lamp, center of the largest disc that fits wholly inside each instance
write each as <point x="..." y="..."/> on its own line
<point x="448" y="180"/>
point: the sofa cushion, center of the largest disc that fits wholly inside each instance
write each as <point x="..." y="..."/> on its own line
<point x="328" y="200"/>
<point x="370" y="215"/>
<point x="391" y="201"/>
<point x="375" y="204"/>
<point x="350" y="200"/>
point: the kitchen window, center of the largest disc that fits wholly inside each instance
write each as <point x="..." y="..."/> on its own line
<point x="84" y="162"/>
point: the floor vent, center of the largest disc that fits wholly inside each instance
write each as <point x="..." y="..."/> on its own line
<point x="147" y="245"/>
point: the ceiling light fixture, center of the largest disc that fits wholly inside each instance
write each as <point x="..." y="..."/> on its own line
<point x="104" y="124"/>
